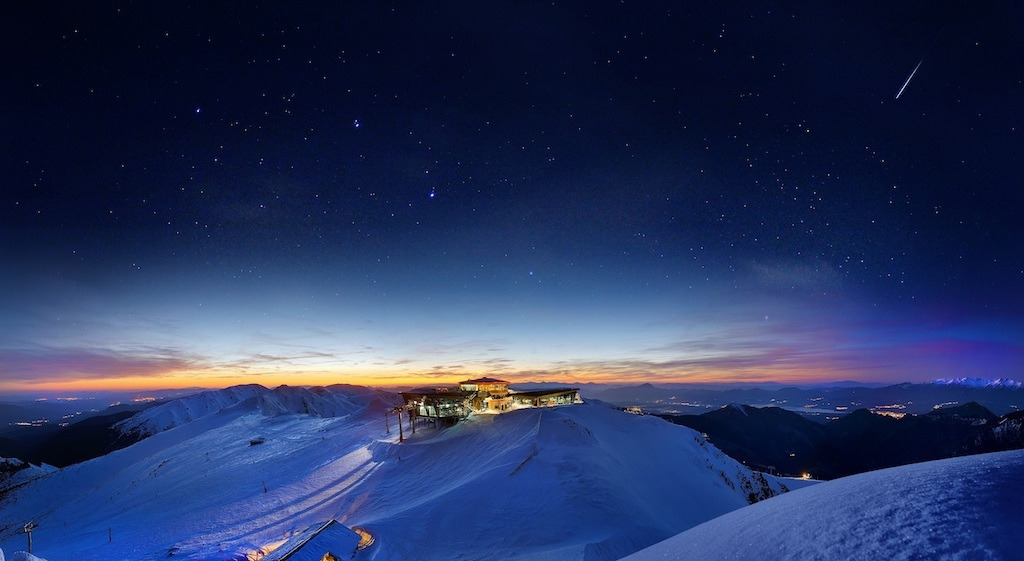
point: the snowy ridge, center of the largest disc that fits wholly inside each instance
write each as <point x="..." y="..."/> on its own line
<point x="576" y="482"/>
<point x="333" y="401"/>
<point x="14" y="472"/>
<point x="186" y="409"/>
<point x="738" y="407"/>
<point x="980" y="383"/>
<point x="959" y="508"/>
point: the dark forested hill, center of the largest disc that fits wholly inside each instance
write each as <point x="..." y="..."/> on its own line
<point x="780" y="441"/>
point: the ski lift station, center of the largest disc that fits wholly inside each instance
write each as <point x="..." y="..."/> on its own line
<point x="448" y="405"/>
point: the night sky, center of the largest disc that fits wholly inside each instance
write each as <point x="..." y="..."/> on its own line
<point x="368" y="192"/>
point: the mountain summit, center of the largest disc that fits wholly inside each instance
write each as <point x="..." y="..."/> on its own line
<point x="577" y="481"/>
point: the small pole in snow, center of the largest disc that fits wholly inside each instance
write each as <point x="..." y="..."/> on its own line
<point x="28" y="531"/>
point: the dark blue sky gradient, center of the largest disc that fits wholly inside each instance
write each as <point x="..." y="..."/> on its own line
<point x="659" y="191"/>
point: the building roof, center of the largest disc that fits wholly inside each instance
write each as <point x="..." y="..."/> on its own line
<point x="312" y="543"/>
<point x="484" y="380"/>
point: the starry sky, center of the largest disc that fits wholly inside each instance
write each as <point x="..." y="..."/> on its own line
<point x="215" y="193"/>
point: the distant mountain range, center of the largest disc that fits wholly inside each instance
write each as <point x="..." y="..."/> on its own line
<point x="999" y="396"/>
<point x="981" y="383"/>
<point x="92" y="434"/>
<point x="776" y="440"/>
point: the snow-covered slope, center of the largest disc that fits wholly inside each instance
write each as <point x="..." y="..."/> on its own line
<point x="967" y="508"/>
<point x="576" y="482"/>
<point x="186" y="409"/>
<point x="334" y="401"/>
<point x="14" y="472"/>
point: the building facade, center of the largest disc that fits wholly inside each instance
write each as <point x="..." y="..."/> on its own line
<point x="449" y="405"/>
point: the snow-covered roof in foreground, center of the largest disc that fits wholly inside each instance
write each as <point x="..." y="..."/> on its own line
<point x="313" y="543"/>
<point x="957" y="509"/>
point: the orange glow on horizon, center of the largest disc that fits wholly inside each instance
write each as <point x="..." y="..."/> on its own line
<point x="404" y="378"/>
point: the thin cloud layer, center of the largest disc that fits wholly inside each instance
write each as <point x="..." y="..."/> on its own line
<point x="70" y="364"/>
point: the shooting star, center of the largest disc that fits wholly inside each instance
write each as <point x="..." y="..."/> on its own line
<point x="909" y="78"/>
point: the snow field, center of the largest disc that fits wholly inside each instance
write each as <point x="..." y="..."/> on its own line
<point x="960" y="509"/>
<point x="575" y="482"/>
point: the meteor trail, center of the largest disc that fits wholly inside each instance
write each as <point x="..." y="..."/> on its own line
<point x="909" y="78"/>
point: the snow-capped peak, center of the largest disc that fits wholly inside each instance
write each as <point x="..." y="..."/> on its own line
<point x="737" y="407"/>
<point x="980" y="383"/>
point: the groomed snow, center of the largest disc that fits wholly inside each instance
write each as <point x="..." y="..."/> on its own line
<point x="969" y="508"/>
<point x="576" y="482"/>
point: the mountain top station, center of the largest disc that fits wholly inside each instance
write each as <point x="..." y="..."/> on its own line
<point x="449" y="405"/>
